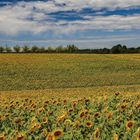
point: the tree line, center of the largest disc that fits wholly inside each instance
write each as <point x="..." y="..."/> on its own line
<point x="117" y="49"/>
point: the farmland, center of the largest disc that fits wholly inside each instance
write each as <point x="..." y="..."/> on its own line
<point x="41" y="71"/>
<point x="69" y="96"/>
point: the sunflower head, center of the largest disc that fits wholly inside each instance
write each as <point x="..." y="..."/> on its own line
<point x="70" y="110"/>
<point x="138" y="134"/>
<point x="62" y="117"/>
<point x="18" y="121"/>
<point x="74" y="104"/>
<point x="110" y="115"/>
<point x="138" y="105"/>
<point x="45" y="132"/>
<point x="89" y="124"/>
<point x="45" y="120"/>
<point x="2" y="137"/>
<point x="96" y="134"/>
<point x="40" y="110"/>
<point x="82" y="114"/>
<point x="35" y="126"/>
<point x="2" y="117"/>
<point x="58" y="133"/>
<point x="97" y="115"/>
<point x="129" y="124"/>
<point x="21" y="137"/>
<point x="68" y="122"/>
<point x="115" y="136"/>
<point x="123" y="106"/>
<point x="50" y="137"/>
<point x="117" y="93"/>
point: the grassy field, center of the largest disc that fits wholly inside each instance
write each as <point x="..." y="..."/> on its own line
<point x="69" y="97"/>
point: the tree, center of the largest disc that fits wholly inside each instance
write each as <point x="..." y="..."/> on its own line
<point x="132" y="50"/>
<point x="34" y="49"/>
<point x="17" y="49"/>
<point x="124" y="49"/>
<point x="1" y="49"/>
<point x="41" y="50"/>
<point x="50" y="50"/>
<point x="8" y="50"/>
<point x="72" y="48"/>
<point x="59" y="49"/>
<point x="26" y="49"/>
<point x="117" y="49"/>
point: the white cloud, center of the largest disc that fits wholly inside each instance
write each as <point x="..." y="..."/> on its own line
<point x="15" y="19"/>
<point x="99" y="3"/>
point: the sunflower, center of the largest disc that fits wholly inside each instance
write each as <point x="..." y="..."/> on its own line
<point x="105" y="98"/>
<point x="46" y="102"/>
<point x="110" y="115"/>
<point x="33" y="120"/>
<point x="45" y="120"/>
<point x="21" y="137"/>
<point x="89" y="124"/>
<point x="65" y="101"/>
<point x="117" y="93"/>
<point x="7" y="115"/>
<point x="138" y="134"/>
<point x="2" y="137"/>
<point x="51" y="137"/>
<point x="96" y="134"/>
<point x="68" y="122"/>
<point x="123" y="106"/>
<point x="129" y="124"/>
<point x="115" y="136"/>
<point x="82" y="114"/>
<point x="138" y="104"/>
<point x="97" y="114"/>
<point x="35" y="126"/>
<point x="70" y="110"/>
<point x="58" y="133"/>
<point x="2" y="117"/>
<point x="87" y="100"/>
<point x="26" y="99"/>
<point x="61" y="118"/>
<point x="40" y="110"/>
<point x="105" y="110"/>
<point x="44" y="132"/>
<point x="18" y="121"/>
<point x="33" y="106"/>
<point x="74" y="103"/>
<point x="77" y="123"/>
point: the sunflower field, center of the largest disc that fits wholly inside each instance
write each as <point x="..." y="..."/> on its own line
<point x="69" y="97"/>
<point x="104" y="117"/>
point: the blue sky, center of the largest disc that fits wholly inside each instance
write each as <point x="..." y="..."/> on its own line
<point x="86" y="23"/>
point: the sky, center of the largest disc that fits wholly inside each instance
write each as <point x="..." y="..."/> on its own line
<point x="85" y="23"/>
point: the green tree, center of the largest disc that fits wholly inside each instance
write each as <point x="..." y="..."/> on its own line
<point x="72" y="48"/>
<point x="8" y="49"/>
<point x="59" y="49"/>
<point x="1" y="49"/>
<point x="50" y="50"/>
<point x="17" y="49"/>
<point x="118" y="49"/>
<point x="42" y="50"/>
<point x="35" y="49"/>
<point x="25" y="49"/>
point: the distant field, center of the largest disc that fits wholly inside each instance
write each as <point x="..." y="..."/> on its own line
<point x="49" y="71"/>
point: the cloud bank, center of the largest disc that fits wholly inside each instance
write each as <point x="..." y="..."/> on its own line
<point x="64" y="17"/>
